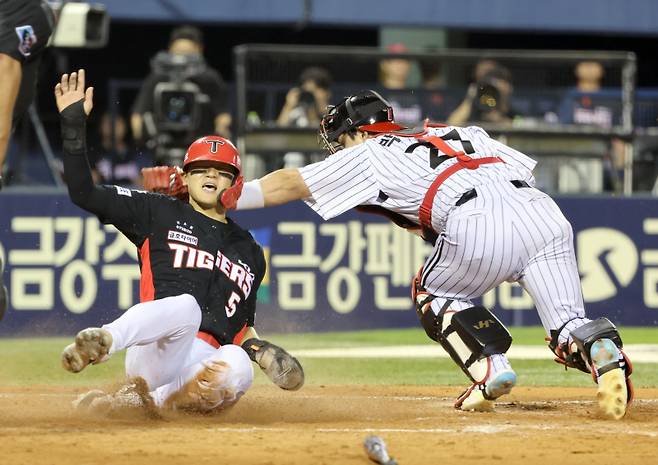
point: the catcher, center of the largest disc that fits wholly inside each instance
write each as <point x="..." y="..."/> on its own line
<point x="191" y="339"/>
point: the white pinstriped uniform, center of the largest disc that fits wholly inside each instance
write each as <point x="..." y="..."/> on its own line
<point x="506" y="233"/>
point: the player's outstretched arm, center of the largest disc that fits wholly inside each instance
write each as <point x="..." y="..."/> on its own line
<point x="279" y="187"/>
<point x="281" y="368"/>
<point x="283" y="186"/>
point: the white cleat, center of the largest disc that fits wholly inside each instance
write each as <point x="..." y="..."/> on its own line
<point x="134" y="395"/>
<point x="83" y="401"/>
<point x="91" y="345"/>
<point x="477" y="399"/>
<point x="612" y="392"/>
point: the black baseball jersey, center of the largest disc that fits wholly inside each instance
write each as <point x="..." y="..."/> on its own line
<point x="180" y="250"/>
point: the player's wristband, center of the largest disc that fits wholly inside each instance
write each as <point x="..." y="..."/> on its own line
<point x="252" y="196"/>
<point x="73" y="121"/>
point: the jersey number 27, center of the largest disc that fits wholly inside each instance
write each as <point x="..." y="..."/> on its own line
<point x="435" y="159"/>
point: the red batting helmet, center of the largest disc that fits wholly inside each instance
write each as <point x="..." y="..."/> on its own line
<point x="215" y="149"/>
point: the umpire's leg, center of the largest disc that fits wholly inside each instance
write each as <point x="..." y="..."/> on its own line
<point x="4" y="298"/>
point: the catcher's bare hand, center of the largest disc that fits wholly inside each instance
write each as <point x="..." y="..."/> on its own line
<point x="283" y="369"/>
<point x="71" y="89"/>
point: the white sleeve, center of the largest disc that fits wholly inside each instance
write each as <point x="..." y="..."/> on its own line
<point x="340" y="182"/>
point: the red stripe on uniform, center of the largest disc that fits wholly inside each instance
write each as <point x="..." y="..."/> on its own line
<point x="237" y="340"/>
<point x="463" y="161"/>
<point x="146" y="289"/>
<point x="209" y="338"/>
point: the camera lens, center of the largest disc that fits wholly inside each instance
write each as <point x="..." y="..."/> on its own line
<point x="488" y="97"/>
<point x="306" y="98"/>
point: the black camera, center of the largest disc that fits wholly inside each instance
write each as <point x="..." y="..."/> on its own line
<point x="488" y="96"/>
<point x="177" y="103"/>
<point x="306" y="98"/>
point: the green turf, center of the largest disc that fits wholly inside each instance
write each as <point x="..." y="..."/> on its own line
<point x="36" y="361"/>
<point x="524" y="335"/>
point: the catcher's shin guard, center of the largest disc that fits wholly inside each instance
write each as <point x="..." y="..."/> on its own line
<point x="596" y="348"/>
<point x="470" y="336"/>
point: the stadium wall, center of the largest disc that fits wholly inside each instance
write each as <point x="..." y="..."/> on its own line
<point x="65" y="270"/>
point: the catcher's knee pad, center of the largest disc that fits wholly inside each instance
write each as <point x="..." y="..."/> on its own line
<point x="469" y="336"/>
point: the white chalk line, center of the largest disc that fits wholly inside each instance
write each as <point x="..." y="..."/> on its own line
<point x="638" y="353"/>
<point x="473" y="429"/>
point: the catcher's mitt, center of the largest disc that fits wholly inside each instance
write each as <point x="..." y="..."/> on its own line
<point x="282" y="368"/>
<point x="165" y="180"/>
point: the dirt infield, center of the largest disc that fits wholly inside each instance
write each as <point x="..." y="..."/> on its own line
<point x="327" y="424"/>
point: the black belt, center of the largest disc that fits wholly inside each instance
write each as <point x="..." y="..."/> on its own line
<point x="471" y="194"/>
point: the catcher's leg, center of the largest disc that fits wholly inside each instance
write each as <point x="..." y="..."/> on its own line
<point x="596" y="347"/>
<point x="552" y="279"/>
<point x="476" y="341"/>
<point x="216" y="381"/>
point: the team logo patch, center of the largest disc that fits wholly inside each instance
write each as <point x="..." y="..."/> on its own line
<point x="26" y="39"/>
<point x="180" y="237"/>
<point x="214" y="144"/>
<point x="124" y="191"/>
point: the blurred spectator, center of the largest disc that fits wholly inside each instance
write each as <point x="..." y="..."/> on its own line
<point x="430" y="71"/>
<point x="304" y="107"/>
<point x="25" y="26"/>
<point x="182" y="98"/>
<point x="588" y="103"/>
<point x="393" y="75"/>
<point x="118" y="163"/>
<point x="306" y="103"/>
<point x="488" y="96"/>
<point x="585" y="104"/>
<point x="433" y="95"/>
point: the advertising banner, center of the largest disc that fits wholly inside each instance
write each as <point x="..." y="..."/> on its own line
<point x="66" y="271"/>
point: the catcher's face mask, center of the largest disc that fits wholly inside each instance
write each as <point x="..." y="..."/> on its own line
<point x="366" y="111"/>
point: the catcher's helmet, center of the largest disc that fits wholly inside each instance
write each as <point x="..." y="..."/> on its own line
<point x="216" y="149"/>
<point x="366" y="110"/>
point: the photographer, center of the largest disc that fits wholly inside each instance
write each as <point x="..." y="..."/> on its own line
<point x="306" y="104"/>
<point x="182" y="98"/>
<point x="488" y="98"/>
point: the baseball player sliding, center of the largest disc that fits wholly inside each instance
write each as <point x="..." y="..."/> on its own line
<point x="474" y="199"/>
<point x="190" y="341"/>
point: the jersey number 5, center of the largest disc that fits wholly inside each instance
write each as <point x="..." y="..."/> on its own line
<point x="232" y="304"/>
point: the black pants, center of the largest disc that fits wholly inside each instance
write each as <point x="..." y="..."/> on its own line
<point x="25" y="28"/>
